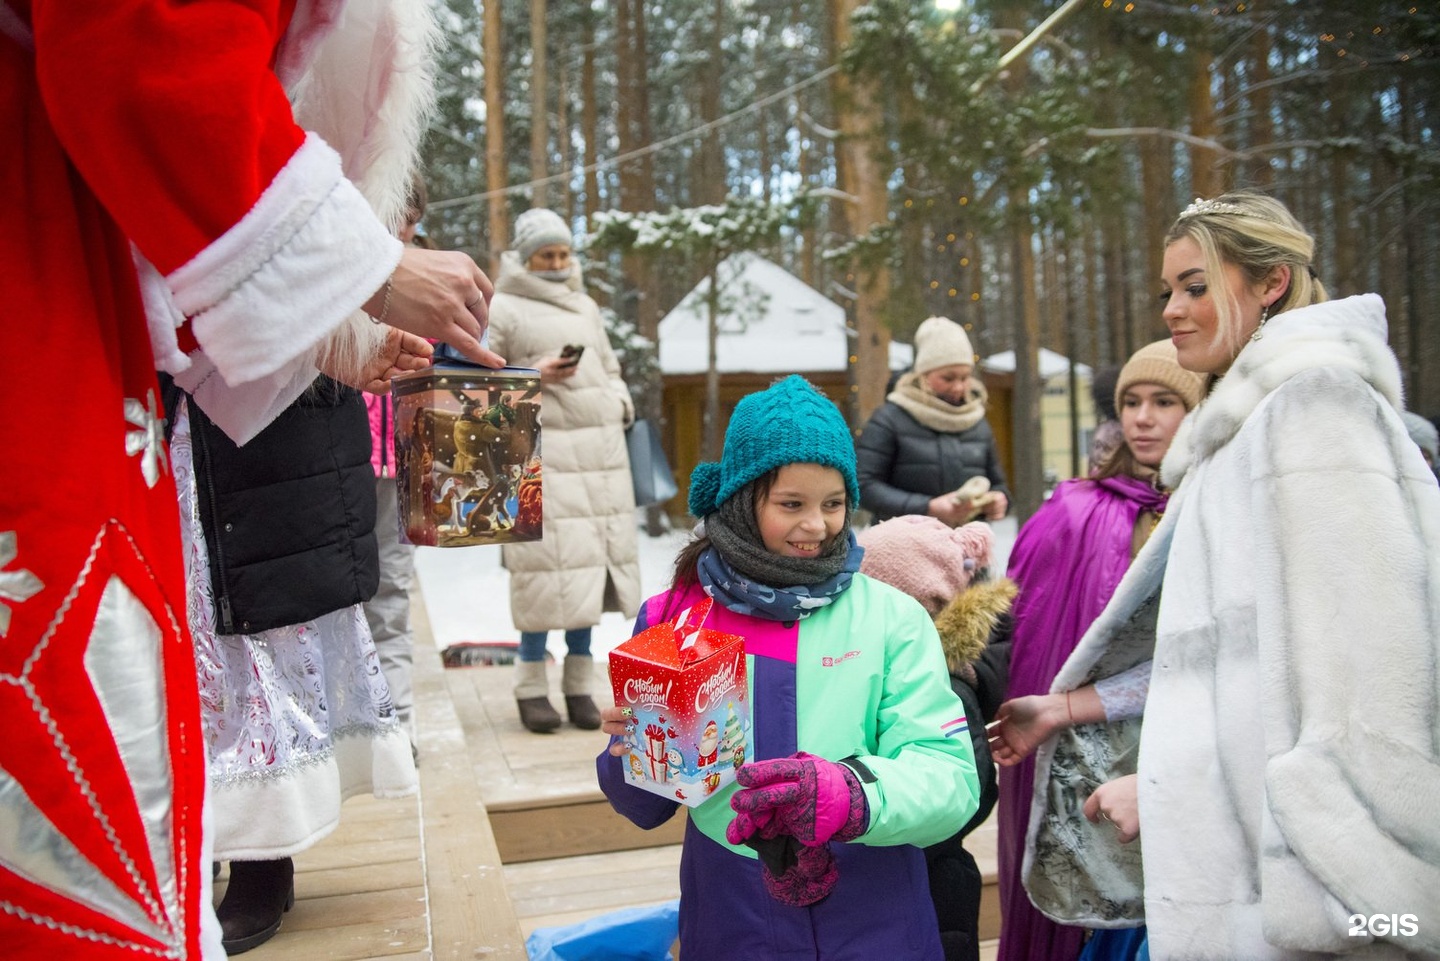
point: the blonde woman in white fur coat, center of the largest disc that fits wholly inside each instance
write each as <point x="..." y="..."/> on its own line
<point x="1289" y="765"/>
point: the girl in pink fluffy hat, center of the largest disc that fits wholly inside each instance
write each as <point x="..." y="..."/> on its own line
<point x="947" y="570"/>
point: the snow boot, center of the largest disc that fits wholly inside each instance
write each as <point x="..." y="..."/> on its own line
<point x="532" y="691"/>
<point x="576" y="683"/>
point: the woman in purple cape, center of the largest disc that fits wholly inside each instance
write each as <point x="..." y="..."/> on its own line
<point x="1067" y="561"/>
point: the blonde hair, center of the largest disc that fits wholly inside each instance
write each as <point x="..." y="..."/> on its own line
<point x="1255" y="233"/>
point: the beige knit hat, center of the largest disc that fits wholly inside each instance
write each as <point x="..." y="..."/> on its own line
<point x="940" y="342"/>
<point x="1157" y="364"/>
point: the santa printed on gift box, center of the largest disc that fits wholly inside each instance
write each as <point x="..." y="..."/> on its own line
<point x="685" y="684"/>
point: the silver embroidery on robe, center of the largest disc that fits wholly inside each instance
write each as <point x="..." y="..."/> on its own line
<point x="149" y="440"/>
<point x="122" y="657"/>
<point x="15" y="586"/>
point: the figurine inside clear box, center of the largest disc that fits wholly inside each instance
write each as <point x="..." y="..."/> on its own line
<point x="467" y="455"/>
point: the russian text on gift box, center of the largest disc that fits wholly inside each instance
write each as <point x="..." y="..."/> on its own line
<point x="686" y="685"/>
<point x="467" y="455"/>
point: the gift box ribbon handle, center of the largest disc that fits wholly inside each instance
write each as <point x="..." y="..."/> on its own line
<point x="687" y="625"/>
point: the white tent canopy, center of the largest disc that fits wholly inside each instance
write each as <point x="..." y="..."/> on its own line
<point x="782" y="325"/>
<point x="779" y="324"/>
<point x="1051" y="364"/>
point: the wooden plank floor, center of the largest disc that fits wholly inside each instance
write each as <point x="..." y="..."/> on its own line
<point x="508" y="833"/>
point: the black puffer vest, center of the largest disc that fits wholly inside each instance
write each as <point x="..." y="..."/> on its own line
<point x="289" y="518"/>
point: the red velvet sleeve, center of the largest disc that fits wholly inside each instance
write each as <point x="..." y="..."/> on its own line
<point x="170" y="111"/>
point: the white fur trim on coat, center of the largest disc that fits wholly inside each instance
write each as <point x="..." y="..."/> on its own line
<point x="302" y="260"/>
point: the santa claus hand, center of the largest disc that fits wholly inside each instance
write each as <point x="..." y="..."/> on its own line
<point x="439" y="295"/>
<point x="805" y="796"/>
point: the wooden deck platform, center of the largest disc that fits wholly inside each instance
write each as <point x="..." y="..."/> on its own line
<point x="507" y="834"/>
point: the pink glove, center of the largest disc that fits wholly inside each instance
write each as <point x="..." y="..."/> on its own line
<point x="810" y="879"/>
<point x="807" y="797"/>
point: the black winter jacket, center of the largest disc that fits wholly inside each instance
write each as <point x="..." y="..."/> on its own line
<point x="289" y="518"/>
<point x="956" y="883"/>
<point x="902" y="464"/>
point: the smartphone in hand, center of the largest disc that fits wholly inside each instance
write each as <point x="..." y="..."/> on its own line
<point x="570" y="354"/>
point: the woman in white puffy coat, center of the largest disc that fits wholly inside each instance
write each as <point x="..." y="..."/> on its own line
<point x="586" y="563"/>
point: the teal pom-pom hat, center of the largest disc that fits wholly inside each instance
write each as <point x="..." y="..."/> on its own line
<point x="789" y="422"/>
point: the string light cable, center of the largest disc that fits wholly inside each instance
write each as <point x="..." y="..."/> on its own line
<point x="638" y="152"/>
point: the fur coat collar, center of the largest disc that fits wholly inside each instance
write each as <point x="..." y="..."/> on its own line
<point x="1346" y="334"/>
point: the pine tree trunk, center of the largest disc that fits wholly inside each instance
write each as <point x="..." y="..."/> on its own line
<point x="1262" y="125"/>
<point x="864" y="180"/>
<point x="590" y="119"/>
<point x="495" y="179"/>
<point x="711" y="186"/>
<point x="1206" y="177"/>
<point x="1092" y="267"/>
<point x="564" y="142"/>
<point x="712" y="367"/>
<point x="539" y="117"/>
<point x="1028" y="483"/>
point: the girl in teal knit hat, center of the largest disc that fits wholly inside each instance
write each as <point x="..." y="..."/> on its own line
<point x="860" y="755"/>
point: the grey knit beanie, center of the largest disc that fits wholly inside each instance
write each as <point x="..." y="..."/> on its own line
<point x="539" y="228"/>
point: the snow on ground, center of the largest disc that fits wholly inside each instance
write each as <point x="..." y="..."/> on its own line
<point x="467" y="592"/>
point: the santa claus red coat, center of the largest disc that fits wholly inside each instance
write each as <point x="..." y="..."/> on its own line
<point x="152" y="160"/>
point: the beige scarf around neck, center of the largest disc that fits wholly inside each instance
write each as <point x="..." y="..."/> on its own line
<point x="914" y="396"/>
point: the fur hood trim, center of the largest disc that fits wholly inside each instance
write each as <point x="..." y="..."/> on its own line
<point x="361" y="75"/>
<point x="966" y="622"/>
<point x="516" y="279"/>
<point x="1349" y="334"/>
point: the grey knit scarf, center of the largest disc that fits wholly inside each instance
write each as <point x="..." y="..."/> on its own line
<point x="740" y="574"/>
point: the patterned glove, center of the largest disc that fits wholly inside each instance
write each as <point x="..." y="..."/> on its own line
<point x="807" y="797"/>
<point x="810" y="877"/>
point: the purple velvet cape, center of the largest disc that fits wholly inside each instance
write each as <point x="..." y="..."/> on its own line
<point x="1068" y="560"/>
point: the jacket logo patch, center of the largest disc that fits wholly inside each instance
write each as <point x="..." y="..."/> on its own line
<point x="828" y="661"/>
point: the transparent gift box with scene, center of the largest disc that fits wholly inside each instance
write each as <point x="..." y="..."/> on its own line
<point x="686" y="685"/>
<point x="467" y="455"/>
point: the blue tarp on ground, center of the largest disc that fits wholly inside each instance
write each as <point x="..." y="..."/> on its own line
<point x="631" y="934"/>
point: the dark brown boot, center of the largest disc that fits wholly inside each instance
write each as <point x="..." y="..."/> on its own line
<point x="583" y="712"/>
<point x="538" y="716"/>
<point x="532" y="691"/>
<point x="256" y="899"/>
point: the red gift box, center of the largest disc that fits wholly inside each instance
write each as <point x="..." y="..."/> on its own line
<point x="687" y="686"/>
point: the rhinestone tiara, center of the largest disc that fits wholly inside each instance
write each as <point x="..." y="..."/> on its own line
<point x="1199" y="207"/>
